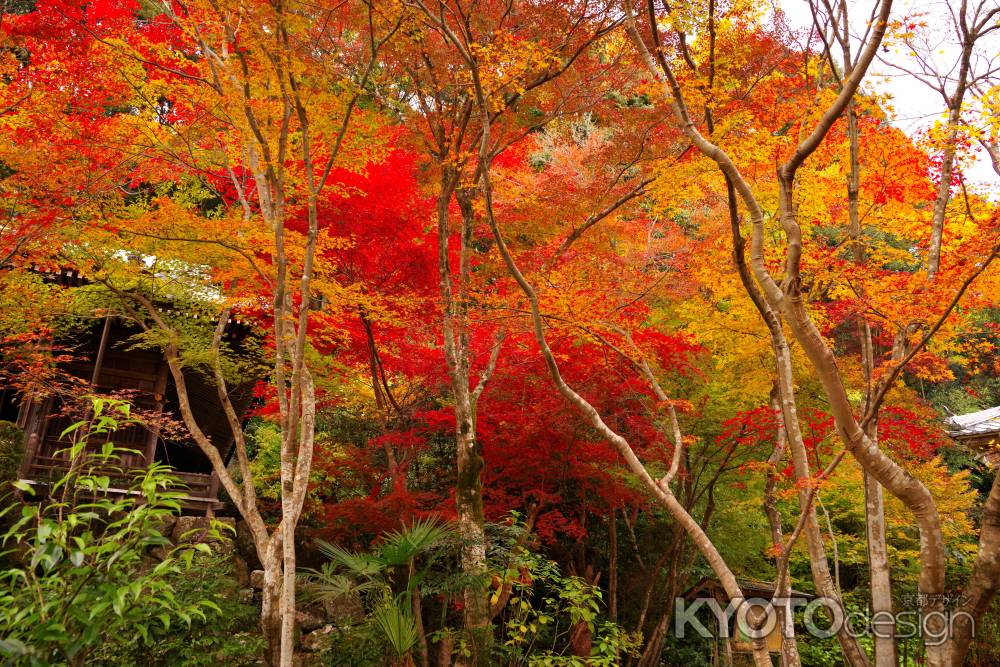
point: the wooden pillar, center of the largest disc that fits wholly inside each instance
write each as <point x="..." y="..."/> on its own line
<point x="31" y="425"/>
<point x="102" y="348"/>
<point x="42" y="419"/>
<point x="33" y="420"/>
<point x="35" y="425"/>
<point x="213" y="492"/>
<point x="159" y="395"/>
<point x="24" y="414"/>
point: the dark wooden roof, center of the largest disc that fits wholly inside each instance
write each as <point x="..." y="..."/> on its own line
<point x="236" y="328"/>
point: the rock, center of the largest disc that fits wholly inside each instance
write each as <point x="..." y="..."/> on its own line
<point x="307" y="660"/>
<point x="307" y="621"/>
<point x="184" y="527"/>
<point x="318" y="640"/>
<point x="241" y="572"/>
<point x="158" y="554"/>
<point x="257" y="579"/>
<point x="344" y="609"/>
<point x="167" y="525"/>
<point x="245" y="545"/>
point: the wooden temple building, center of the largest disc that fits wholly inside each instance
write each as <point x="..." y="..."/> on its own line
<point x="103" y="358"/>
<point x="736" y="648"/>
<point x="979" y="431"/>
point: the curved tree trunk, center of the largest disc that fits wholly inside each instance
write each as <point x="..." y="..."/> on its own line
<point x="659" y="489"/>
<point x="786" y="404"/>
<point x="913" y="493"/>
<point x="783" y="584"/>
<point x="985" y="580"/>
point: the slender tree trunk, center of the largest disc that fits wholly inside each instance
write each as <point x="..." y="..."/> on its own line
<point x="943" y="194"/>
<point x="878" y="557"/>
<point x="270" y="614"/>
<point x="884" y="470"/>
<point x="788" y="414"/>
<point x="878" y="567"/>
<point x="659" y="489"/>
<point x="288" y="593"/>
<point x="878" y="553"/>
<point x="985" y="580"/>
<point x="445" y="649"/>
<point x="819" y="565"/>
<point x="613" y="565"/>
<point x="913" y="493"/>
<point x="948" y="153"/>
<point x="654" y="645"/>
<point x="418" y="618"/>
<point x="243" y="495"/>
<point x="469" y="506"/>
<point x="774" y="296"/>
<point x="787" y="298"/>
<point x="468" y="457"/>
<point x="783" y="586"/>
<point x="670" y="554"/>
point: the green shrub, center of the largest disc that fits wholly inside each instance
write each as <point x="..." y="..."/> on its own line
<point x="11" y="452"/>
<point x="536" y="624"/>
<point x="390" y="627"/>
<point x="78" y="573"/>
<point x="229" y="636"/>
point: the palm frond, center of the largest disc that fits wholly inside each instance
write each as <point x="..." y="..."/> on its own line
<point x="397" y="624"/>
<point x="358" y="564"/>
<point x="399" y="546"/>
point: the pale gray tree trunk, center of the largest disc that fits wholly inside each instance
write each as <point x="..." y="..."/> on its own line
<point x="878" y="554"/>
<point x="881" y="584"/>
<point x="948" y="154"/>
<point x="783" y="584"/>
<point x="468" y="452"/>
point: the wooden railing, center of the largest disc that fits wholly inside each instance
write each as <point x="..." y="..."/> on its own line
<point x="200" y="490"/>
<point x="51" y="460"/>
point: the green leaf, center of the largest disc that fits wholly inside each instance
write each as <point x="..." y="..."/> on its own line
<point x="71" y="428"/>
<point x="397" y="625"/>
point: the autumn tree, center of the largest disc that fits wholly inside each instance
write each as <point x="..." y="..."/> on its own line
<point x="248" y="99"/>
<point x="435" y="84"/>
<point x="486" y="100"/>
<point x="787" y="298"/>
<point x="963" y="84"/>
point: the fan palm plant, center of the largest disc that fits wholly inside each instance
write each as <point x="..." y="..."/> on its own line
<point x="379" y="575"/>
